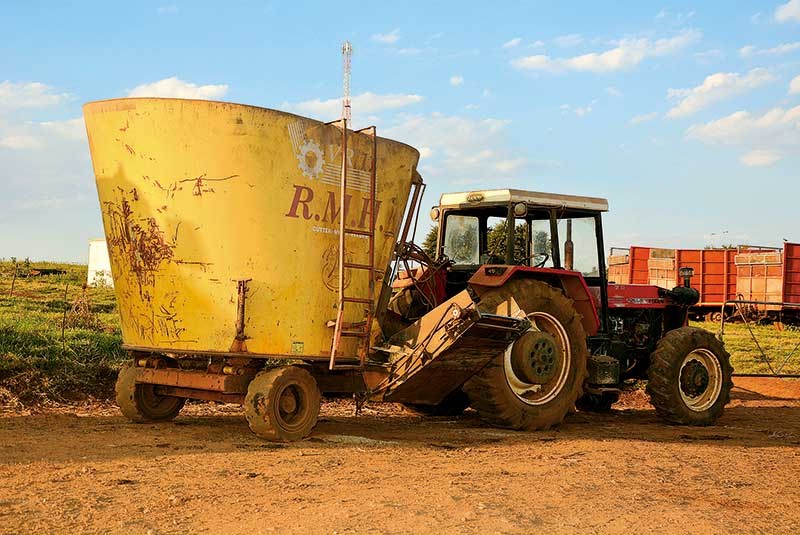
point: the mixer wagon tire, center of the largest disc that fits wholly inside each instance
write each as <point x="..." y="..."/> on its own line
<point x="452" y="405"/>
<point x="282" y="404"/>
<point x="689" y="378"/>
<point x="535" y="383"/>
<point x="140" y="403"/>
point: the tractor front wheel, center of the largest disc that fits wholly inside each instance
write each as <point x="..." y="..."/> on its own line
<point x="534" y="384"/>
<point x="282" y="404"/>
<point x="140" y="402"/>
<point x="689" y="378"/>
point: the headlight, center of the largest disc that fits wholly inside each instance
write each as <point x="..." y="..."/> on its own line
<point x="520" y="209"/>
<point x="435" y="213"/>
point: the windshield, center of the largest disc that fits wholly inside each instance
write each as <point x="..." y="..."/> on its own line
<point x="578" y="242"/>
<point x="461" y="239"/>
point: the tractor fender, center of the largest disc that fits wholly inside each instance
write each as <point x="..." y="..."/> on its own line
<point x="571" y="282"/>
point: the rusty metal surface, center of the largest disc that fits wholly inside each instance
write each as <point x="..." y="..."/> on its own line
<point x="197" y="195"/>
<point x="231" y="384"/>
<point x="445" y="348"/>
<point x="205" y="395"/>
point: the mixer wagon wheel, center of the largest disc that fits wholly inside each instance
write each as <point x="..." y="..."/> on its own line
<point x="536" y="381"/>
<point x="139" y="402"/>
<point x="689" y="378"/>
<point x="282" y="403"/>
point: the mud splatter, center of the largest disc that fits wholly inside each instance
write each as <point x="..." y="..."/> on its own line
<point x="201" y="183"/>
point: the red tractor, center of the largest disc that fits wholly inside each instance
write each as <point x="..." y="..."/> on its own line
<point x="588" y="339"/>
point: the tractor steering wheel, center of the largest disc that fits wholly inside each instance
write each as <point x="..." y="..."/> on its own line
<point x="540" y="264"/>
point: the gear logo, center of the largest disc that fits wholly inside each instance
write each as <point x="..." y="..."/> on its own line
<point x="309" y="158"/>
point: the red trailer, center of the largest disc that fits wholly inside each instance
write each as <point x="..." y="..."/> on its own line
<point x="770" y="280"/>
<point x="748" y="273"/>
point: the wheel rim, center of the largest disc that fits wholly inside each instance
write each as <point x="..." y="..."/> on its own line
<point x="290" y="408"/>
<point x="700" y="379"/>
<point x="153" y="404"/>
<point x="540" y="394"/>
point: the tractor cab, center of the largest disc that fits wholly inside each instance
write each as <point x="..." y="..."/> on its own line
<point x="532" y="232"/>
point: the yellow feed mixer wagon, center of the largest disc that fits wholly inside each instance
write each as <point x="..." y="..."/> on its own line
<point x="253" y="253"/>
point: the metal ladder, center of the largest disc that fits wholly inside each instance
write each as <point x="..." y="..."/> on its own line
<point x="343" y="329"/>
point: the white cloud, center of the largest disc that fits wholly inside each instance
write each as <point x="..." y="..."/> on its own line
<point x="473" y="150"/>
<point x="749" y="51"/>
<point x="471" y="107"/>
<point x="628" y="53"/>
<point x="570" y="40"/>
<point x="387" y="38"/>
<point x="69" y="128"/>
<point x="536" y="44"/>
<point x="456" y="80"/>
<point x="364" y="103"/>
<point x="716" y="87"/>
<point x="19" y="142"/>
<point x="613" y="91"/>
<point x="486" y="93"/>
<point x="176" y="88"/>
<point x="28" y="95"/>
<point x="760" y="158"/>
<point x="794" y="86"/>
<point x="512" y="43"/>
<point x="425" y="152"/>
<point x="643" y="118"/>
<point x="775" y="132"/>
<point x="790" y="11"/>
<point x="167" y="10"/>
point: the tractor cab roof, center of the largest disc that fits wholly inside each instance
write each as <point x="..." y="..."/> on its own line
<point x="503" y="197"/>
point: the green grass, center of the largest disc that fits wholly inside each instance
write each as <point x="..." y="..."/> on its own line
<point x="745" y="356"/>
<point x="42" y="356"/>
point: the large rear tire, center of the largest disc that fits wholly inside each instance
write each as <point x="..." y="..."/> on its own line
<point x="139" y="402"/>
<point x="534" y="384"/>
<point x="282" y="404"/>
<point x="689" y="378"/>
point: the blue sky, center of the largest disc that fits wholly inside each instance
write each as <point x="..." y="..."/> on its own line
<point x="686" y="115"/>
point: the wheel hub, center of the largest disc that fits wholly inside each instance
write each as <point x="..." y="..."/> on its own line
<point x="694" y="379"/>
<point x="534" y="358"/>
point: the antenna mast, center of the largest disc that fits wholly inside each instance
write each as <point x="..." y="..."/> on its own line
<point x="347" y="51"/>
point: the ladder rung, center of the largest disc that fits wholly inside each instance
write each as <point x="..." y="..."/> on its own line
<point x="357" y="232"/>
<point x="357" y="266"/>
<point x="357" y="300"/>
<point x="358" y="334"/>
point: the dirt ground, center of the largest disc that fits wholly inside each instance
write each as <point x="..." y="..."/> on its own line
<point x="87" y="470"/>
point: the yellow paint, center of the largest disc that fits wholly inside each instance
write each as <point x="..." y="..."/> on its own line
<point x="196" y="195"/>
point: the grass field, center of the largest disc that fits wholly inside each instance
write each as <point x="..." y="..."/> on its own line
<point x="48" y="351"/>
<point x="59" y="342"/>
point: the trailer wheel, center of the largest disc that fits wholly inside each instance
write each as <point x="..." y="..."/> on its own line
<point x="536" y="381"/>
<point x="139" y="402"/>
<point x="282" y="404"/>
<point x="689" y="378"/>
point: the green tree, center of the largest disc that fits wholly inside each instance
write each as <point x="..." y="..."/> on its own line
<point x="429" y="244"/>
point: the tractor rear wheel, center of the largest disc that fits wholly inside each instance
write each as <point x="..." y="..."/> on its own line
<point x="140" y="402"/>
<point x="282" y="404"/>
<point x="536" y="381"/>
<point x="689" y="378"/>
